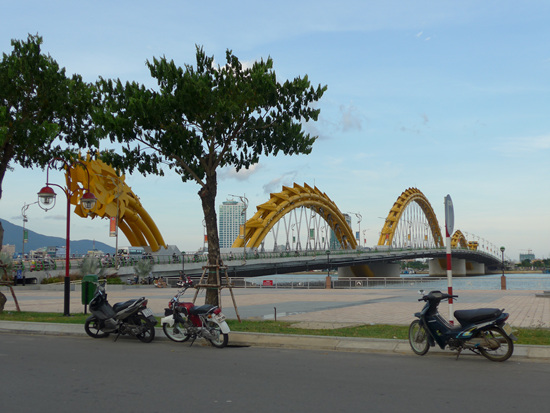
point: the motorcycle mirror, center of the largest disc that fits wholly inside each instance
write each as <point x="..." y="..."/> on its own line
<point x="421" y="292"/>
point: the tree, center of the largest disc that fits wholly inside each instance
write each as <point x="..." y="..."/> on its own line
<point x="91" y="265"/>
<point x="43" y="113"/>
<point x="206" y="117"/>
<point x="6" y="268"/>
<point x="143" y="268"/>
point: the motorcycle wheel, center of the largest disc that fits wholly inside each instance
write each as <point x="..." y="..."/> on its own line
<point x="497" y="346"/>
<point x="418" y="338"/>
<point x="222" y="339"/>
<point x="177" y="332"/>
<point x="92" y="326"/>
<point x="149" y="331"/>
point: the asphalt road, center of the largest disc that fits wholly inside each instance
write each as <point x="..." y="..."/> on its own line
<point x="67" y="374"/>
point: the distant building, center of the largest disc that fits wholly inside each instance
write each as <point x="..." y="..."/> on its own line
<point x="334" y="242"/>
<point x="523" y="257"/>
<point x="51" y="251"/>
<point x="230" y="219"/>
<point x="9" y="249"/>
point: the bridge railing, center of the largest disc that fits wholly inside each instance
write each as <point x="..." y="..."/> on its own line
<point x="521" y="282"/>
<point x="251" y="255"/>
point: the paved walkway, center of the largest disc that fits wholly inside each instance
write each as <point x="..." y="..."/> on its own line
<point x="319" y="307"/>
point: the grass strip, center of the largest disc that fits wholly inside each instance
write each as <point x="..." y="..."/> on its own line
<point x="531" y="336"/>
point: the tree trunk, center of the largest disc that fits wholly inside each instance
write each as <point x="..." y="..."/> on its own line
<point x="208" y="197"/>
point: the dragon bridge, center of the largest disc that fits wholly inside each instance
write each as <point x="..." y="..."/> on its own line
<point x="402" y="222"/>
<point x="114" y="199"/>
<point x="285" y="202"/>
<point x="459" y="240"/>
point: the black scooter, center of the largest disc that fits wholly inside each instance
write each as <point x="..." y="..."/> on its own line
<point x="483" y="331"/>
<point x="130" y="317"/>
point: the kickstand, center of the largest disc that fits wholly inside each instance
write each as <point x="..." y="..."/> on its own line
<point x="458" y="354"/>
<point x="192" y="341"/>
<point x="117" y="336"/>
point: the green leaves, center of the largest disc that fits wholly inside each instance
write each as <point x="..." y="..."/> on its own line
<point x="204" y="117"/>
<point x="42" y="111"/>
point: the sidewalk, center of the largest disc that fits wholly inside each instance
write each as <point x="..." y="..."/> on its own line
<point x="308" y="308"/>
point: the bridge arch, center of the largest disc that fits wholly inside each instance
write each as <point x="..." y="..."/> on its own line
<point x="405" y="199"/>
<point x="459" y="240"/>
<point x="281" y="203"/>
<point x="115" y="199"/>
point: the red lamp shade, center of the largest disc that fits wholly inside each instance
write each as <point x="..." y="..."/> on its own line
<point x="88" y="200"/>
<point x="46" y="198"/>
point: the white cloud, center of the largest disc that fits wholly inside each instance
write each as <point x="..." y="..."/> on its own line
<point x="350" y="119"/>
<point x="276" y="184"/>
<point x="524" y="146"/>
<point x="242" y="175"/>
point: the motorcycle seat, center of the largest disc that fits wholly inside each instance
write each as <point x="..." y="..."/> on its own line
<point x="121" y="306"/>
<point x="478" y="315"/>
<point x="203" y="309"/>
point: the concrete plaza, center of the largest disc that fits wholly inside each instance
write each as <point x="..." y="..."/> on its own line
<point x="314" y="307"/>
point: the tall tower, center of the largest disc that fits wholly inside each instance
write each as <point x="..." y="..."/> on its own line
<point x="231" y="217"/>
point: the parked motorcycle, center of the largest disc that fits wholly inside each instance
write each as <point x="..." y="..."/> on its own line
<point x="483" y="331"/>
<point x="127" y="318"/>
<point x="184" y="320"/>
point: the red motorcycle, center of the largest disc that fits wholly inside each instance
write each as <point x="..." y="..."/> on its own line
<point x="184" y="320"/>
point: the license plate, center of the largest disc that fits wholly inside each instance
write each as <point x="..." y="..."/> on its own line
<point x="146" y="312"/>
<point x="507" y="329"/>
<point x="219" y="317"/>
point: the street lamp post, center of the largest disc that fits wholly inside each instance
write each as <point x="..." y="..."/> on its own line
<point x="502" y="278"/>
<point x="118" y="184"/>
<point x="183" y="262"/>
<point x="25" y="220"/>
<point x="46" y="201"/>
<point x="328" y="283"/>
<point x="359" y="218"/>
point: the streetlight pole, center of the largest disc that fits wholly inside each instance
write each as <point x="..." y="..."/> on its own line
<point x="328" y="282"/>
<point x="118" y="184"/>
<point x="25" y="220"/>
<point x="46" y="201"/>
<point x="502" y="278"/>
<point x="183" y="262"/>
<point x="204" y="236"/>
<point x="359" y="218"/>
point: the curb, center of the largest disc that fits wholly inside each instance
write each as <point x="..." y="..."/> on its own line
<point x="323" y="343"/>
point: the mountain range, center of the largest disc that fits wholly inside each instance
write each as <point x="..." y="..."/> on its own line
<point x="13" y="235"/>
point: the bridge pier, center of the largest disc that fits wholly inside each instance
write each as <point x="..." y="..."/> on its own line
<point x="460" y="267"/>
<point x="475" y="268"/>
<point x="373" y="269"/>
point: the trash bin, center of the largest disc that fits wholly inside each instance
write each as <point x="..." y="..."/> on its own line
<point x="89" y="287"/>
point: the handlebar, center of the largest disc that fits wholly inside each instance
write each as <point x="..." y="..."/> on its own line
<point x="437" y="295"/>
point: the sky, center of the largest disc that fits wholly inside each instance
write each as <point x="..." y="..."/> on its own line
<point x="445" y="96"/>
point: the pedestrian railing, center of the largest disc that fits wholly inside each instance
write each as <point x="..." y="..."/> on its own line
<point x="418" y="283"/>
